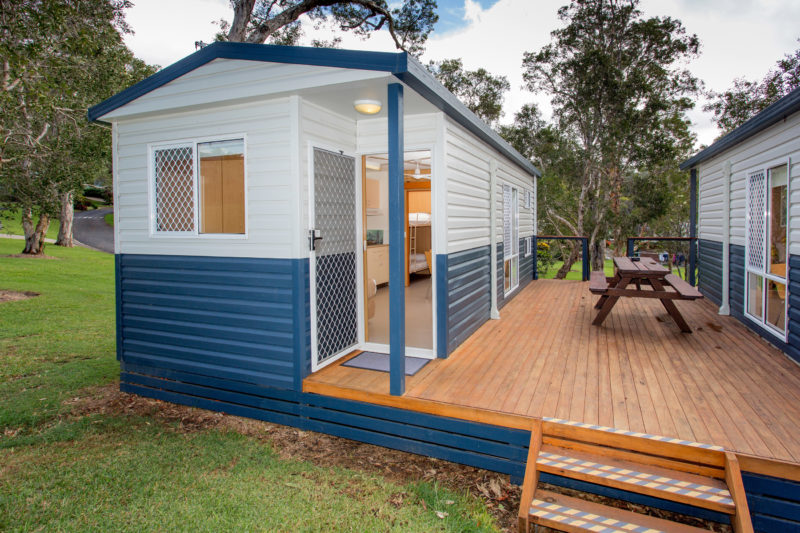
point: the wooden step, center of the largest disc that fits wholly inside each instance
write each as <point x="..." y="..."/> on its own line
<point x="699" y="491"/>
<point x="565" y="513"/>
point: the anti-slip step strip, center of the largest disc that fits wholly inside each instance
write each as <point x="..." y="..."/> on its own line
<point x="659" y="438"/>
<point x="583" y="519"/>
<point x="640" y="479"/>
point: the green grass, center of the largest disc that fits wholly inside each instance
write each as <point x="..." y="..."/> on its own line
<point x="12" y="224"/>
<point x="575" y="272"/>
<point x="66" y="471"/>
<point x="109" y="218"/>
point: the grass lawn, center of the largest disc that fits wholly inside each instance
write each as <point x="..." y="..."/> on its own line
<point x="65" y="469"/>
<point x="575" y="272"/>
<point x="109" y="218"/>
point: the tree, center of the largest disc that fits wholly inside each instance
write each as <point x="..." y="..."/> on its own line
<point x="479" y="90"/>
<point x="59" y="58"/>
<point x="619" y="93"/>
<point x="257" y="21"/>
<point x="746" y="99"/>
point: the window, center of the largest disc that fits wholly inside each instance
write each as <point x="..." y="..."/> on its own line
<point x="199" y="188"/>
<point x="766" y="258"/>
<point x="528" y="199"/>
<point x="528" y="246"/>
<point x="510" y="238"/>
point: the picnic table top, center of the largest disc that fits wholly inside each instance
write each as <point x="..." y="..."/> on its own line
<point x="644" y="267"/>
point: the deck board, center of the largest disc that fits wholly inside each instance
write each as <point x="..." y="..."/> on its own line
<point x="720" y="385"/>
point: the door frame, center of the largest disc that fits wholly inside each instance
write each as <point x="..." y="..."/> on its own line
<point x="312" y="259"/>
<point x="424" y="353"/>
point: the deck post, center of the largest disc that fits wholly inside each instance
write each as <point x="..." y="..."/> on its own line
<point x="585" y="258"/>
<point x="535" y="252"/>
<point x="630" y="247"/>
<point x="397" y="256"/>
<point x="692" y="225"/>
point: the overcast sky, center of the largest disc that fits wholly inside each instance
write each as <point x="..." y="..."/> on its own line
<point x="740" y="38"/>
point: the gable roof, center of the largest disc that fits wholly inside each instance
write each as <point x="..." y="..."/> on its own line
<point x="772" y="114"/>
<point x="400" y="64"/>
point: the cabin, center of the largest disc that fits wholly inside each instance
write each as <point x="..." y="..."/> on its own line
<point x="748" y="243"/>
<point x="328" y="239"/>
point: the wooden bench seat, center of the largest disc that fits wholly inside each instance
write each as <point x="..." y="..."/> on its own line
<point x="686" y="291"/>
<point x="598" y="283"/>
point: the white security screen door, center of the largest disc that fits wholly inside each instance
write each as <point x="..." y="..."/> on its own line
<point x="510" y="238"/>
<point x="333" y="239"/>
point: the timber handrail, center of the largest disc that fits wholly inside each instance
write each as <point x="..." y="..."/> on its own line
<point x="531" y="479"/>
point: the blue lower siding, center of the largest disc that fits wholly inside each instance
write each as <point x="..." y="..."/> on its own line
<point x="525" y="273"/>
<point x="234" y="318"/>
<point x="468" y="296"/>
<point x="710" y="267"/>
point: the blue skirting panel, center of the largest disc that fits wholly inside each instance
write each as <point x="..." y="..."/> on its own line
<point x="525" y="273"/>
<point x="774" y="503"/>
<point x="494" y="448"/>
<point x="468" y="295"/>
<point x="242" y="319"/>
<point x="710" y="267"/>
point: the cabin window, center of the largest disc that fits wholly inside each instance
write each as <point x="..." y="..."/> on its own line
<point x="767" y="253"/>
<point x="221" y="186"/>
<point x="510" y="238"/>
<point x="198" y="188"/>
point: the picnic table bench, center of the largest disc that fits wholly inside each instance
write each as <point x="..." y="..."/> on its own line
<point x="651" y="280"/>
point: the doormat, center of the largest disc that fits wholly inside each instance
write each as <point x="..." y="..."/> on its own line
<point x="380" y="362"/>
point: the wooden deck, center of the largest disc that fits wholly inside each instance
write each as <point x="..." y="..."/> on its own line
<point x="720" y="385"/>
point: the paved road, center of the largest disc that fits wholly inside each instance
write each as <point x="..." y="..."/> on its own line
<point x="90" y="229"/>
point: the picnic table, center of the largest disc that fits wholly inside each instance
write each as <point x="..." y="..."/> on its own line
<point x="649" y="279"/>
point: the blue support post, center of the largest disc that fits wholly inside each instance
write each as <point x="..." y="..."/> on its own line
<point x="535" y="252"/>
<point x="585" y="252"/>
<point x="630" y="247"/>
<point x="692" y="225"/>
<point x="397" y="256"/>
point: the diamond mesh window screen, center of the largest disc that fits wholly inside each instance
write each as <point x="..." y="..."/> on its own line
<point x="173" y="170"/>
<point x="507" y="221"/>
<point x="336" y="288"/>
<point x="756" y="220"/>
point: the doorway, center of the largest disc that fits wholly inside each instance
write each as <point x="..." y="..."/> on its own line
<point x="418" y="252"/>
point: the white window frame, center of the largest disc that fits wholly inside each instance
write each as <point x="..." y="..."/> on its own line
<point x="151" y="193"/>
<point x="528" y="246"/>
<point x="765" y="274"/>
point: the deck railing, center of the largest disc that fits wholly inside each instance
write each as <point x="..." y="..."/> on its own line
<point x="692" y="251"/>
<point x="584" y="252"/>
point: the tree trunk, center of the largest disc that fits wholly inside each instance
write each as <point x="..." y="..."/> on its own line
<point x="567" y="266"/>
<point x="65" y="219"/>
<point x="597" y="251"/>
<point x="34" y="236"/>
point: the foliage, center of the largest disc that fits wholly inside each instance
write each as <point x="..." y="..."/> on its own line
<point x="745" y="99"/>
<point x="58" y="59"/>
<point x="620" y="95"/>
<point x="479" y="90"/>
<point x="409" y="22"/>
<point x="544" y="259"/>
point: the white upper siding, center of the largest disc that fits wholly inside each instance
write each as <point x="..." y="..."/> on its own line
<point x="269" y="189"/>
<point x="233" y="81"/>
<point x="771" y="147"/>
<point x="469" y="163"/>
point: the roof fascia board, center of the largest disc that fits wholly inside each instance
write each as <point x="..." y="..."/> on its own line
<point x="773" y="114"/>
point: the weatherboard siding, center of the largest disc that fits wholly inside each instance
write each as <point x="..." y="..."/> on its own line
<point x="231" y="318"/>
<point x="468" y="163"/>
<point x="272" y="217"/>
<point x="710" y="268"/>
<point x="468" y="294"/>
<point x="771" y="147"/>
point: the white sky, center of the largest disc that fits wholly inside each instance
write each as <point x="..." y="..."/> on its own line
<point x="740" y="38"/>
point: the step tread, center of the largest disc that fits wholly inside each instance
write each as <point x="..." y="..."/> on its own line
<point x="566" y="513"/>
<point x="637" y="477"/>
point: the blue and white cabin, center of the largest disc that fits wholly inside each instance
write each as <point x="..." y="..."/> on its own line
<point x="748" y="228"/>
<point x="277" y="208"/>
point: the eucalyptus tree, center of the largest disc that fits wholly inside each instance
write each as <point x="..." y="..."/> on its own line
<point x="58" y="59"/>
<point x="620" y="90"/>
<point x="408" y="22"/>
<point x="482" y="92"/>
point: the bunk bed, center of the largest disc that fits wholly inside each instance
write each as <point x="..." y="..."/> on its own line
<point x="419" y="242"/>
